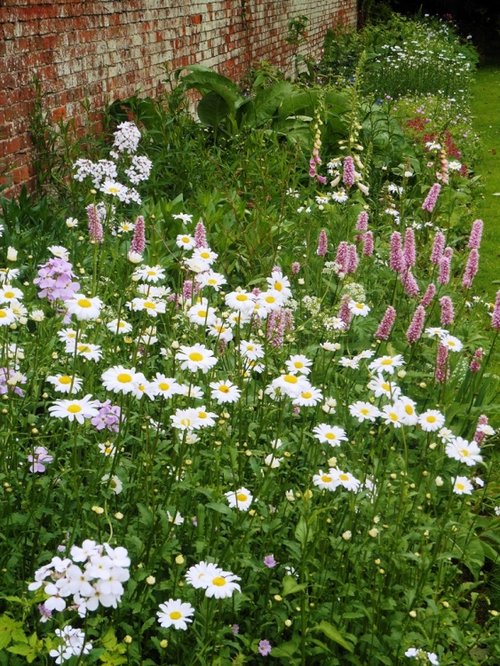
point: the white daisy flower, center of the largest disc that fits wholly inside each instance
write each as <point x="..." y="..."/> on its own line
<point x="74" y="410"/>
<point x="462" y="485"/>
<point x="149" y="274"/>
<point x="84" y="308"/>
<point x="224" y="392"/>
<point x="119" y="379"/>
<point x="358" y="308"/>
<point x="222" y="585"/>
<point x="185" y="241"/>
<point x="298" y="363"/>
<point x="119" y="326"/>
<point x="65" y="383"/>
<point x="364" y="411"/>
<point x="199" y="575"/>
<point x="175" y="613"/>
<point x="386" y="364"/>
<point x="196" y="357"/>
<point x="308" y="397"/>
<point x="325" y="480"/>
<point x="431" y="420"/>
<point x="333" y="435"/>
<point x="393" y="415"/>
<point x="240" y="499"/>
<point x="453" y="343"/>
<point x="462" y="450"/>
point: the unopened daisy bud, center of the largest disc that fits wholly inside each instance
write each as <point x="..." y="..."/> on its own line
<point x="98" y="510"/>
<point x="288" y="623"/>
<point x="347" y="535"/>
<point x="150" y="580"/>
<point x="439" y="481"/>
<point x="128" y="639"/>
<point x="307" y="494"/>
<point x="373" y="532"/>
<point x="413" y="613"/>
<point x="119" y="515"/>
<point x="11" y="254"/>
<point x="164" y="643"/>
<point x="179" y="559"/>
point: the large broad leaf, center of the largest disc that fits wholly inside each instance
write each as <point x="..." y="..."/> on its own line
<point x="266" y="103"/>
<point x="213" y="109"/>
<point x="206" y="80"/>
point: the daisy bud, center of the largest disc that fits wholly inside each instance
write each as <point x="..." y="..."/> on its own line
<point x="11" y="254"/>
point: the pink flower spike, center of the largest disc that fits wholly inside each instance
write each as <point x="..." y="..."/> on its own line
<point x="396" y="257"/>
<point x="384" y="329"/>
<point x="368" y="246"/>
<point x="475" y="364"/>
<point x="416" y="327"/>
<point x="470" y="269"/>
<point x="428" y="297"/>
<point x="447" y="311"/>
<point x="438" y="247"/>
<point x="322" y="244"/>
<point x="475" y="235"/>
<point x="495" y="318"/>
<point x="431" y="198"/>
<point x="349" y="175"/>
<point x="362" y="221"/>
<point x="200" y="235"/>
<point x="138" y="244"/>
<point x="409" y="250"/>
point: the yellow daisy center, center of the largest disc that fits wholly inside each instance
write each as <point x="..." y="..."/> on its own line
<point x="306" y="394"/>
<point x="150" y="305"/>
<point x="65" y="379"/>
<point x="242" y="297"/>
<point x="431" y="418"/>
<point x="365" y="411"/>
<point x="459" y="486"/>
<point x="74" y="409"/>
<point x="124" y="377"/>
<point x="175" y="615"/>
<point x="241" y="497"/>
<point x="344" y="477"/>
<point x="326" y="479"/>
<point x="3" y="314"/>
<point x="84" y="303"/>
<point x="163" y="386"/>
<point x="9" y="294"/>
<point x="220" y="581"/>
<point x="290" y="379"/>
<point x="330" y="435"/>
<point x="195" y="356"/>
<point x="465" y="453"/>
<point x="224" y="389"/>
<point x="387" y="361"/>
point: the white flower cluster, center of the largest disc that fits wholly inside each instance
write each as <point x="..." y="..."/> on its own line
<point x="73" y="644"/>
<point x="91" y="576"/>
<point x="97" y="171"/>
<point x="105" y="173"/>
<point x="139" y="170"/>
<point x="127" y="138"/>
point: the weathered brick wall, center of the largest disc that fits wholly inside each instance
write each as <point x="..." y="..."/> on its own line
<point x="101" y="51"/>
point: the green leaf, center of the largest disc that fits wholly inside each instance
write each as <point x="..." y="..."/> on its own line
<point x="290" y="586"/>
<point x="334" y="635"/>
<point x="285" y="649"/>
<point x="213" y="109"/>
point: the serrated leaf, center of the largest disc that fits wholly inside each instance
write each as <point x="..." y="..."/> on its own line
<point x="290" y="586"/>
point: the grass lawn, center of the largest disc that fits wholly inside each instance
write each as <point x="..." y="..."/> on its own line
<point x="486" y="111"/>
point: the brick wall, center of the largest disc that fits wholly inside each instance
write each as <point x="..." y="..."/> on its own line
<point x="101" y="51"/>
